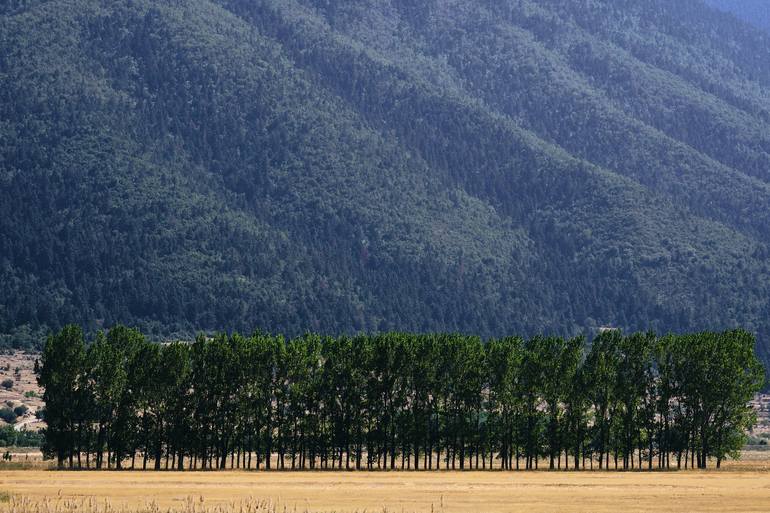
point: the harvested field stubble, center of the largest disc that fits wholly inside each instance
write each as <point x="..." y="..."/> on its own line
<point x="740" y="487"/>
<point x="93" y="505"/>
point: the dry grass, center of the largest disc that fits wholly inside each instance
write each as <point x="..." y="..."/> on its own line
<point x="740" y="486"/>
<point x="25" y="458"/>
<point x="94" y="505"/>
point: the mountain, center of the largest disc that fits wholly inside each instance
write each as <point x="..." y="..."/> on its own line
<point x="756" y="12"/>
<point x="482" y="166"/>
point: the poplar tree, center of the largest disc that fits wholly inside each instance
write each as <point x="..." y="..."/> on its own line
<point x="397" y="400"/>
<point x="60" y="374"/>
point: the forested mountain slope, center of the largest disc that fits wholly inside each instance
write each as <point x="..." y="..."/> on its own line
<point x="481" y="166"/>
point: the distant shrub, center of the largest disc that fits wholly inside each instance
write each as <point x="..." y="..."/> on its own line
<point x="7" y="436"/>
<point x="7" y="384"/>
<point x="11" y="438"/>
<point x="7" y="415"/>
<point x="20" y="410"/>
<point x="30" y="394"/>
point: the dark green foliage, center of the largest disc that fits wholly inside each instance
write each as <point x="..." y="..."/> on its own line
<point x="62" y="372"/>
<point x="398" y="401"/>
<point x="7" y="384"/>
<point x="476" y="166"/>
<point x="21" y="410"/>
<point x="7" y="414"/>
<point x="12" y="438"/>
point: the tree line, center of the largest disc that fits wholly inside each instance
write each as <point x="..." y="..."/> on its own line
<point x="397" y="401"/>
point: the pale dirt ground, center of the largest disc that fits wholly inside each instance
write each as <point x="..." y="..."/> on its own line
<point x="740" y="486"/>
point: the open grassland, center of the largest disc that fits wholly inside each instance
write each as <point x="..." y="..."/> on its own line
<point x="740" y="486"/>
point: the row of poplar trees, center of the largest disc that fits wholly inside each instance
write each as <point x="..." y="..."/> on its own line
<point x="397" y="401"/>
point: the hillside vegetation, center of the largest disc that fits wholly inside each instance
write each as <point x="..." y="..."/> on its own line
<point x="492" y="167"/>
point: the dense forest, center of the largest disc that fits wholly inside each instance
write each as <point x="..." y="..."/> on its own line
<point x="397" y="400"/>
<point x="488" y="167"/>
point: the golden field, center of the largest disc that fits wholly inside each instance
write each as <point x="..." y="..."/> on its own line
<point x="740" y="486"/>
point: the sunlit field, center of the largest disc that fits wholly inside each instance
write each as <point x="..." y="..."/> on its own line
<point x="738" y="486"/>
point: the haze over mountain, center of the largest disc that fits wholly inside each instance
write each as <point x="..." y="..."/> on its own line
<point x="756" y="12"/>
<point x="484" y="166"/>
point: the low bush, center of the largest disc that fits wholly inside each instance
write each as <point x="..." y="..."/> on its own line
<point x="7" y="415"/>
